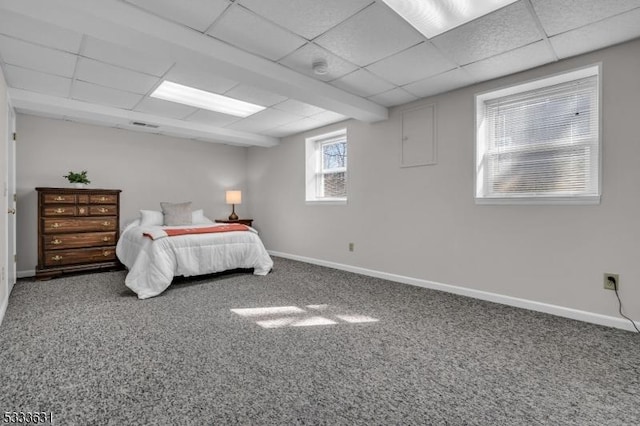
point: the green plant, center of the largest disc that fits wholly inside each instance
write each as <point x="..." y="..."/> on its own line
<point x="78" y="177"/>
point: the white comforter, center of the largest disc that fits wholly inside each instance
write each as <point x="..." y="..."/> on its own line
<point x="152" y="264"/>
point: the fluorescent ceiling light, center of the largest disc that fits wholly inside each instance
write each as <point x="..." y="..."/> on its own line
<point x="433" y="17"/>
<point x="186" y="95"/>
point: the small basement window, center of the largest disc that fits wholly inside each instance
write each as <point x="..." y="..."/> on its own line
<point x="326" y="168"/>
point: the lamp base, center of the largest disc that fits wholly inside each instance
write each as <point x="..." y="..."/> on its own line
<point x="233" y="215"/>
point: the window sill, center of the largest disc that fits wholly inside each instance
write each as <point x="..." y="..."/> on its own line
<point x="332" y="202"/>
<point x="566" y="201"/>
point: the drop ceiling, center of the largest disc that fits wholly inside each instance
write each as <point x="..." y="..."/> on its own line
<point x="98" y="61"/>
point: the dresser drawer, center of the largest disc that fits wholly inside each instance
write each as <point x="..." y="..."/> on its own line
<point x="53" y="211"/>
<point x="70" y="257"/>
<point x="102" y="210"/>
<point x="59" y="198"/>
<point x="80" y="224"/>
<point x="87" y="239"/>
<point x="103" y="199"/>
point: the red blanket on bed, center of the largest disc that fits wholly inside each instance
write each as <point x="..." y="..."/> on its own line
<point x="172" y="232"/>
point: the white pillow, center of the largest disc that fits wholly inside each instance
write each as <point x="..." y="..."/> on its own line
<point x="156" y="218"/>
<point x="151" y="218"/>
<point x="198" y="218"/>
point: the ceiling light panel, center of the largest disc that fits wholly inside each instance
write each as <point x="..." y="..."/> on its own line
<point x="175" y="92"/>
<point x="435" y="17"/>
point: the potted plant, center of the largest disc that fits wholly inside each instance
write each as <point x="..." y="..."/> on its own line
<point x="79" y="179"/>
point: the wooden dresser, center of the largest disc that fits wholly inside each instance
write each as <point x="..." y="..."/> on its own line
<point x="77" y="230"/>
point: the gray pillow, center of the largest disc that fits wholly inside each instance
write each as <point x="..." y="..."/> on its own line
<point x="177" y="214"/>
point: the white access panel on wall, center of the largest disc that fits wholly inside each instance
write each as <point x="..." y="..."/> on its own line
<point x="418" y="143"/>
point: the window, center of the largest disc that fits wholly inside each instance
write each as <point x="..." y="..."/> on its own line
<point x="539" y="142"/>
<point x="327" y="168"/>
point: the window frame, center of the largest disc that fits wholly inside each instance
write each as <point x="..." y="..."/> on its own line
<point x="480" y="141"/>
<point x="315" y="170"/>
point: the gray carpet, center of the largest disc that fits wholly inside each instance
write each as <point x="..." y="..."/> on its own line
<point x="86" y="349"/>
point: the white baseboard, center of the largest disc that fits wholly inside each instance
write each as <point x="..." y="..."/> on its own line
<point x="561" y="311"/>
<point x="3" y="308"/>
<point x="26" y="274"/>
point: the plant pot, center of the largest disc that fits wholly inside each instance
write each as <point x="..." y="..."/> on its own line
<point x="80" y="185"/>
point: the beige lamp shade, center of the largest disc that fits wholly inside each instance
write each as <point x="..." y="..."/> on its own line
<point x="234" y="197"/>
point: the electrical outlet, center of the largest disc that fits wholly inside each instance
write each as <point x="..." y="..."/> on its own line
<point x="611" y="281"/>
<point x="351" y="246"/>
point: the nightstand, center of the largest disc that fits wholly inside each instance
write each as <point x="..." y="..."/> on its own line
<point x="247" y="222"/>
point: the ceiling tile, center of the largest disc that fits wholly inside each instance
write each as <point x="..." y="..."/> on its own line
<point x="267" y="119"/>
<point x="308" y="18"/>
<point x="38" y="58"/>
<point x="196" y="14"/>
<point x="38" y="32"/>
<point x="560" y="16"/>
<point x="299" y="108"/>
<point x="255" y="96"/>
<point x="164" y="108"/>
<point x="393" y="97"/>
<point x="439" y="84"/>
<point x="362" y="83"/>
<point x="413" y="64"/>
<point x="115" y="77"/>
<point x="264" y="38"/>
<point x="530" y="56"/>
<point x="328" y="117"/>
<point x="500" y="31"/>
<point x="369" y="36"/>
<point x="302" y="61"/>
<point x="35" y="81"/>
<point x="125" y="58"/>
<point x="602" y="34"/>
<point x="212" y="118"/>
<point x="104" y="95"/>
<point x="201" y="79"/>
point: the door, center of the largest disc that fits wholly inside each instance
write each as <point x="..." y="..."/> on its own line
<point x="11" y="200"/>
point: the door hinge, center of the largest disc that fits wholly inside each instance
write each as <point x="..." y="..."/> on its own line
<point x="15" y="257"/>
<point x="15" y="136"/>
<point x="15" y="198"/>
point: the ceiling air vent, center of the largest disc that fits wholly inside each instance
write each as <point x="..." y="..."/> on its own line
<point x="141" y="124"/>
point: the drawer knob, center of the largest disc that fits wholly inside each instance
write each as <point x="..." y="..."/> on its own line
<point x="103" y="198"/>
<point x="55" y="225"/>
<point x="106" y="239"/>
<point x="56" y="242"/>
<point x="56" y="258"/>
<point x="59" y="210"/>
<point x="59" y="198"/>
<point x="106" y="253"/>
<point x="81" y="210"/>
<point x="105" y="223"/>
<point x="103" y="210"/>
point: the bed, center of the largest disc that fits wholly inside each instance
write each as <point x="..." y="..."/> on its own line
<point x="155" y="254"/>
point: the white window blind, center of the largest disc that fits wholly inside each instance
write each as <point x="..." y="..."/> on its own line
<point x="542" y="143"/>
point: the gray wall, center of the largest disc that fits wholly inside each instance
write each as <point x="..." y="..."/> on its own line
<point x="422" y="222"/>
<point x="147" y="168"/>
